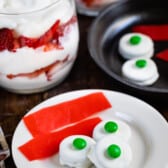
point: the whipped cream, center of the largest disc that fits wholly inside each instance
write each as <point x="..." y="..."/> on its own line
<point x="30" y="23"/>
<point x="13" y="62"/>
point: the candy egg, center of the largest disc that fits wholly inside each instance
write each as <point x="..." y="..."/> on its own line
<point x="113" y="128"/>
<point x="111" y="152"/>
<point x="133" y="45"/>
<point x="73" y="151"/>
<point x="141" y="71"/>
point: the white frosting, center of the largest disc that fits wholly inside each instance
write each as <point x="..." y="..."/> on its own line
<point x="123" y="131"/>
<point x="98" y="153"/>
<point x="142" y="76"/>
<point x="72" y="157"/>
<point x="144" y="49"/>
<point x="34" y="24"/>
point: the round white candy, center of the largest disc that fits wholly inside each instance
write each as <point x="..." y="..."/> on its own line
<point x="98" y="154"/>
<point x="145" y="47"/>
<point x="70" y="156"/>
<point x="146" y="75"/>
<point x="123" y="130"/>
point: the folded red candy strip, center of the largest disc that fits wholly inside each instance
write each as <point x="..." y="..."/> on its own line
<point x="163" y="55"/>
<point x="50" y="118"/>
<point x="156" y="32"/>
<point x="46" y="145"/>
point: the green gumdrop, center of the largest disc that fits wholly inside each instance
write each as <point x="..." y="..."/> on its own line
<point x="141" y="63"/>
<point x="113" y="151"/>
<point x="111" y="127"/>
<point x="79" y="143"/>
<point x="135" y="40"/>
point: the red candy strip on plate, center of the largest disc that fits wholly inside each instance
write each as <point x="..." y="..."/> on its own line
<point x="163" y="55"/>
<point x="46" y="145"/>
<point x="156" y="32"/>
<point x="62" y="114"/>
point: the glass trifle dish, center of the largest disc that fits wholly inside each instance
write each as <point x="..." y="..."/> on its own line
<point x="38" y="43"/>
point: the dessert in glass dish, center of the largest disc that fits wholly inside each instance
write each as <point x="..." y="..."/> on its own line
<point x="38" y="43"/>
<point x="92" y="7"/>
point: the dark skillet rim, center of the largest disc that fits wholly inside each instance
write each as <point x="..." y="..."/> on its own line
<point x="97" y="60"/>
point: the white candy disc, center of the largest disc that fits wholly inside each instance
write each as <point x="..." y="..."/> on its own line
<point x="123" y="130"/>
<point x="146" y="75"/>
<point x="98" y="154"/>
<point x="72" y="157"/>
<point x="145" y="48"/>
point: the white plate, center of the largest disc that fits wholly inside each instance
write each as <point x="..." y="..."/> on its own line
<point x="149" y="141"/>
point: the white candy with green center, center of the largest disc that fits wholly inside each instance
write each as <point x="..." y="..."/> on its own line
<point x="113" y="128"/>
<point x="111" y="151"/>
<point x="141" y="71"/>
<point x="73" y="151"/>
<point x="133" y="45"/>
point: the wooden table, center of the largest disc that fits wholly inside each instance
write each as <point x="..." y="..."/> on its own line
<point x="84" y="75"/>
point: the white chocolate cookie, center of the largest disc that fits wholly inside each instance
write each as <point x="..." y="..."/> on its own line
<point x="133" y="45"/>
<point x="111" y="152"/>
<point x="141" y="71"/>
<point x="73" y="151"/>
<point x="112" y="128"/>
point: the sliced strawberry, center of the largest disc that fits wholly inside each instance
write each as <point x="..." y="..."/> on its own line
<point x="44" y="39"/>
<point x="26" y="41"/>
<point x="47" y="145"/>
<point x="6" y="39"/>
<point x="49" y="35"/>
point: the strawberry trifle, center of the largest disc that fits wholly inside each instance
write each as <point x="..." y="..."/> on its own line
<point x="38" y="43"/>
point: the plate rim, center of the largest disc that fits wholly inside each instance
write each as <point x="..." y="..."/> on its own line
<point x="101" y="65"/>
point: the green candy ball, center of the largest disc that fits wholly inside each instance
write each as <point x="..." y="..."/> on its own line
<point x="141" y="63"/>
<point x="79" y="143"/>
<point x="111" y="127"/>
<point x="113" y="151"/>
<point x="135" y="40"/>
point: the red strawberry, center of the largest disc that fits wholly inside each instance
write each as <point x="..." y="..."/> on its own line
<point x="6" y="39"/>
<point x="42" y="40"/>
<point x="26" y="41"/>
<point x="48" y="36"/>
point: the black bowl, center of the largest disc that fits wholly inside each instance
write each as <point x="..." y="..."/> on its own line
<point x="116" y="20"/>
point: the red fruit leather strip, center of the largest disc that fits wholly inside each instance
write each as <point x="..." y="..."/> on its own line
<point x="59" y="115"/>
<point x="46" y="145"/>
<point x="156" y="32"/>
<point x="163" y="55"/>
